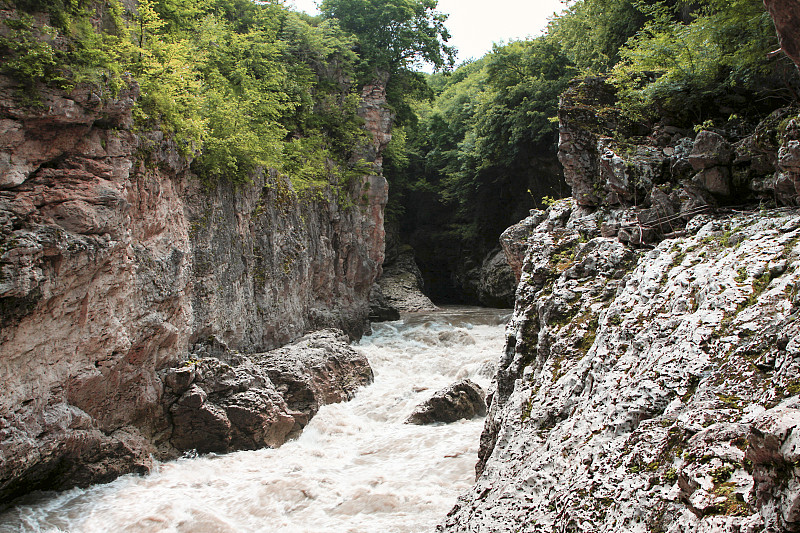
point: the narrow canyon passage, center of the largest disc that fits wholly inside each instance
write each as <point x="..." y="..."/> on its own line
<point x="356" y="468"/>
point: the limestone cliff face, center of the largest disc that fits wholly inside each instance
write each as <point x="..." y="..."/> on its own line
<point x="647" y="390"/>
<point x="115" y="264"/>
<point x="650" y="376"/>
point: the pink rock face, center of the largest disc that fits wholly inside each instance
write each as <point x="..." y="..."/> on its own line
<point x="113" y="263"/>
<point x="87" y="316"/>
<point x="786" y="14"/>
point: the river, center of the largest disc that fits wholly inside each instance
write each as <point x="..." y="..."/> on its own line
<point x="356" y="468"/>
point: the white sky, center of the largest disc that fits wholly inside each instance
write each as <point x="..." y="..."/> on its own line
<point x="476" y="24"/>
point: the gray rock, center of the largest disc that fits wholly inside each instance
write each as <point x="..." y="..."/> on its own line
<point x="227" y="408"/>
<point x="316" y="370"/>
<point x="463" y="399"/>
<point x="514" y="240"/>
<point x="710" y="150"/>
<point x="664" y="381"/>
<point x="380" y="310"/>
<point x="716" y="180"/>
<point x="497" y="282"/>
<point x="263" y="399"/>
<point x="401" y="285"/>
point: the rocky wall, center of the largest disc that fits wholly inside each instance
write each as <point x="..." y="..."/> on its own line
<point x="115" y="264"/>
<point x="646" y="390"/>
<point x="650" y="376"/>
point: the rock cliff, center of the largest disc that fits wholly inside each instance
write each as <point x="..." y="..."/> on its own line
<point x="115" y="264"/>
<point x="650" y="377"/>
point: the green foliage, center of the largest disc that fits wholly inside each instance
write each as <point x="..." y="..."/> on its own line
<point x="591" y="32"/>
<point x="30" y="58"/>
<point x="240" y="85"/>
<point x="470" y="151"/>
<point x="395" y="35"/>
<point x="64" y="51"/>
<point x="680" y="69"/>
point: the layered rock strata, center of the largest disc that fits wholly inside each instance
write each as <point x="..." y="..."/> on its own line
<point x="114" y="261"/>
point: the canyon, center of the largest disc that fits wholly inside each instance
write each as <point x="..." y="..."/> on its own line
<point x="651" y="372"/>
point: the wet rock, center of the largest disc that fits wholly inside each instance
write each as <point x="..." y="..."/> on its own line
<point x="227" y="408"/>
<point x="463" y="399"/>
<point x="379" y="308"/>
<point x="262" y="399"/>
<point x="316" y="370"/>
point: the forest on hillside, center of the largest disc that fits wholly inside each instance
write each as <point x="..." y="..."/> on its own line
<point x="245" y="85"/>
<point x="482" y="151"/>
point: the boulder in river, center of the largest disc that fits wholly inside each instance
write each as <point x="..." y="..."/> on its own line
<point x="318" y="369"/>
<point x="237" y="402"/>
<point x="463" y="399"/>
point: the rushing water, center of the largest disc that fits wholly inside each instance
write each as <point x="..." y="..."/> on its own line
<point x="356" y="468"/>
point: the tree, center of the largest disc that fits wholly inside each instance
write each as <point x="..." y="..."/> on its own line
<point x="395" y="35"/>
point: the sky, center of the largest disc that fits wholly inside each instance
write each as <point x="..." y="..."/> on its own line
<point x="476" y="24"/>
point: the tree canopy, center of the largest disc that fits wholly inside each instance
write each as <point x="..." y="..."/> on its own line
<point x="395" y="35"/>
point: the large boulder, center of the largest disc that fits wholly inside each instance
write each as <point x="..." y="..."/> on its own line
<point x="463" y="399"/>
<point x="401" y="284"/>
<point x="710" y="149"/>
<point x="319" y="369"/>
<point x="497" y="281"/>
<point x="222" y="407"/>
<point x="233" y="402"/>
<point x="380" y="310"/>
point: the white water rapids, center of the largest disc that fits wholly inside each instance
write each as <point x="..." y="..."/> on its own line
<point x="356" y="468"/>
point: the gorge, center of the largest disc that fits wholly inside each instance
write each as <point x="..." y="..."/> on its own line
<point x="161" y="299"/>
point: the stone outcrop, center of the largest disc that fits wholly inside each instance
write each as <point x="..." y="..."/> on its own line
<point x="248" y="402"/>
<point x="319" y="369"/>
<point x="514" y="241"/>
<point x="646" y="390"/>
<point x="114" y="260"/>
<point x="668" y="175"/>
<point x="400" y="286"/>
<point x="491" y="283"/>
<point x="650" y="376"/>
<point x="463" y="399"/>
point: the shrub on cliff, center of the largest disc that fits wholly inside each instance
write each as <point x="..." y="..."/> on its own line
<point x="686" y="69"/>
<point x="238" y="84"/>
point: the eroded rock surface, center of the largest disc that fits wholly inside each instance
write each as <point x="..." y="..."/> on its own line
<point x="647" y="390"/>
<point x="248" y="402"/>
<point x="401" y="285"/>
<point x="463" y="399"/>
<point x="318" y="369"/>
<point x="114" y="260"/>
